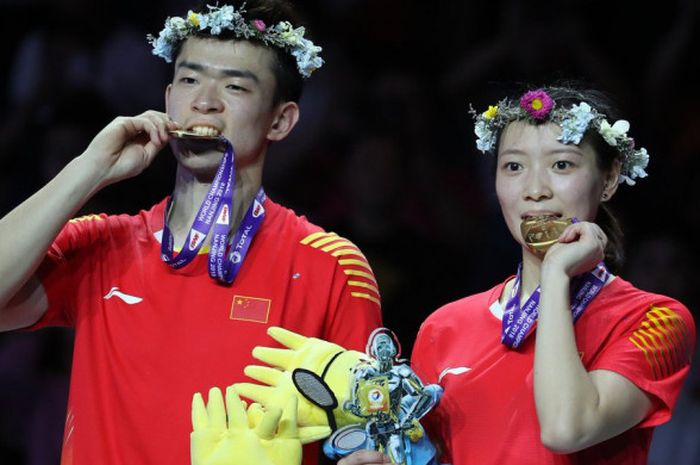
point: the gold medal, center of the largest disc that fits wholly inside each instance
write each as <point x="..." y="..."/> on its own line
<point x="541" y="232"/>
<point x="181" y="134"/>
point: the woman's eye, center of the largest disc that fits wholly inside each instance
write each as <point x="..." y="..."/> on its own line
<point x="562" y="165"/>
<point x="512" y="166"/>
<point x="188" y="80"/>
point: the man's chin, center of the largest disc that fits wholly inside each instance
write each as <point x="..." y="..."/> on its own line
<point x="202" y="173"/>
<point x="202" y="165"/>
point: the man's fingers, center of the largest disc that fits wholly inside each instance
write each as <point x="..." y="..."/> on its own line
<point x="161" y="121"/>
<point x="140" y="125"/>
<point x="199" y="413"/>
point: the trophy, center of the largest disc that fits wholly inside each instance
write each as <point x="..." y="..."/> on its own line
<point x="387" y="396"/>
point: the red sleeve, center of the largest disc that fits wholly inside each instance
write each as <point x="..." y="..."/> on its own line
<point x="423" y="358"/>
<point x="355" y="302"/>
<point x="353" y="309"/>
<point x="653" y="350"/>
<point x="67" y="262"/>
<point x="425" y="363"/>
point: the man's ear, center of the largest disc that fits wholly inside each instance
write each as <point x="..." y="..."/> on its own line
<point x="285" y="118"/>
<point x="167" y="98"/>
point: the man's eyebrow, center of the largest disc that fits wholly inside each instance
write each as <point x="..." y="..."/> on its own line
<point x="229" y="72"/>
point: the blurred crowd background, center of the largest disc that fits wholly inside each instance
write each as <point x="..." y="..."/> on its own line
<point x="384" y="153"/>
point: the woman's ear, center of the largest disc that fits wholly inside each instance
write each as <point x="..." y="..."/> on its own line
<point x="286" y="117"/>
<point x="611" y="181"/>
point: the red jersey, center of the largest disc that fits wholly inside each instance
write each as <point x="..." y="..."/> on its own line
<point x="147" y="337"/>
<point x="487" y="413"/>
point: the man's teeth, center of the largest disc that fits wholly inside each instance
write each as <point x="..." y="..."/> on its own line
<point x="205" y="131"/>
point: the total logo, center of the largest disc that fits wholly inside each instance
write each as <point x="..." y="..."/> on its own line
<point x="235" y="257"/>
<point x="375" y="396"/>
<point x="196" y="238"/>
<point x="258" y="209"/>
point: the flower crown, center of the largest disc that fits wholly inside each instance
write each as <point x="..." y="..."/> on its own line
<point x="537" y="106"/>
<point x="218" y="19"/>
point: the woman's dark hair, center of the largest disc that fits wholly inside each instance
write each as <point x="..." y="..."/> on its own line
<point x="284" y="67"/>
<point x="566" y="95"/>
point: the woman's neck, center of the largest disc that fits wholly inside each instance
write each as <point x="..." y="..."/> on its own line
<point x="529" y="277"/>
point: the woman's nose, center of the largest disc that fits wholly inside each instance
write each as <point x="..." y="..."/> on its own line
<point x="537" y="187"/>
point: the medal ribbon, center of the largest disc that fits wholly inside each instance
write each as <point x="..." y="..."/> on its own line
<point x="518" y="321"/>
<point x="216" y="209"/>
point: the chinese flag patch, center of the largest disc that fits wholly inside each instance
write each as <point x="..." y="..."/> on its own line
<point x="250" y="309"/>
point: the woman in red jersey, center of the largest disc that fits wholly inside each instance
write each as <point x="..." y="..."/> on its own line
<point x="564" y="362"/>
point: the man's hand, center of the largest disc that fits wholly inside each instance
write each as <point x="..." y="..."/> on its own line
<point x="252" y="437"/>
<point x="127" y="145"/>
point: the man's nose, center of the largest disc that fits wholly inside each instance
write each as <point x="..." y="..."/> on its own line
<point x="207" y="101"/>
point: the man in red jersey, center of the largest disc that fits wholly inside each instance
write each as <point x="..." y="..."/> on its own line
<point x="172" y="301"/>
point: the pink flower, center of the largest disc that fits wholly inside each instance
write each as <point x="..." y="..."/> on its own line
<point x="259" y="25"/>
<point x="537" y="103"/>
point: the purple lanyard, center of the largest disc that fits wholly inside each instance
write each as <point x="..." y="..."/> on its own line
<point x="517" y="321"/>
<point x="216" y="208"/>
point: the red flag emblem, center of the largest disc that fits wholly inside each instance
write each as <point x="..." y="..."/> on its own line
<point x="250" y="309"/>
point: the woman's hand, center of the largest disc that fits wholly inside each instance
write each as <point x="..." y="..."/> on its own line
<point x="580" y="248"/>
<point x="365" y="457"/>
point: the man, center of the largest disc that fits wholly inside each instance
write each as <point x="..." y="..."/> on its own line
<point x="155" y="322"/>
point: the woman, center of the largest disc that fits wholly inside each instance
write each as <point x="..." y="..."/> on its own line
<point x="564" y="362"/>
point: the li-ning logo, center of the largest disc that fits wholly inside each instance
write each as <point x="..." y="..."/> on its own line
<point x="453" y="371"/>
<point x="129" y="299"/>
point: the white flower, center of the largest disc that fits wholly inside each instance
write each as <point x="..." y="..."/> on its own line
<point x="575" y="123"/>
<point x="282" y="35"/>
<point x="612" y="133"/>
<point x="218" y="19"/>
<point x="486" y="138"/>
<point x="307" y="57"/>
<point x="175" y="27"/>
